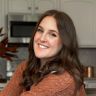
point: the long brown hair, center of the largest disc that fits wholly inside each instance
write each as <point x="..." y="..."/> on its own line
<point x="66" y="59"/>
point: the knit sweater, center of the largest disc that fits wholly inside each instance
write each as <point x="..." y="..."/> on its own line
<point x="51" y="85"/>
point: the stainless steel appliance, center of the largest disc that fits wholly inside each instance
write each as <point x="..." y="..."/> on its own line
<point x="20" y="27"/>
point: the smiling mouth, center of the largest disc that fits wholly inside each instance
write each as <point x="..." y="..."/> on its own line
<point x="43" y="46"/>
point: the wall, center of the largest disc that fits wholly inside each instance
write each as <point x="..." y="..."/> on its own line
<point x="88" y="57"/>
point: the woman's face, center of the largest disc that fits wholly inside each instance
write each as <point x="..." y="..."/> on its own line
<point x="47" y="42"/>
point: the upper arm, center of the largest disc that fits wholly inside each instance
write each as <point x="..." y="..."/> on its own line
<point x="13" y="87"/>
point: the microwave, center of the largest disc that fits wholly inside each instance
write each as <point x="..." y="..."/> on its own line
<point x="20" y="27"/>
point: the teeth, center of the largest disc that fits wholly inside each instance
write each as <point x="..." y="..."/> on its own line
<point x="41" y="46"/>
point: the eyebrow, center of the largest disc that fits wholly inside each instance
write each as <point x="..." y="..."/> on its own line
<point x="49" y="30"/>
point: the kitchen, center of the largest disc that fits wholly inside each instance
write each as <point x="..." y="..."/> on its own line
<point x="83" y="14"/>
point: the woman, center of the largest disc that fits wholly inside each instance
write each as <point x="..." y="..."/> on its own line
<point x="53" y="67"/>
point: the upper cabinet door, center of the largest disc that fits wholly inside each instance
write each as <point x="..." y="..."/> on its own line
<point x="83" y="14"/>
<point x="41" y="6"/>
<point x="23" y="6"/>
<point x="3" y="13"/>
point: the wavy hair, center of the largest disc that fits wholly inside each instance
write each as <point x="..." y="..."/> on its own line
<point x="67" y="59"/>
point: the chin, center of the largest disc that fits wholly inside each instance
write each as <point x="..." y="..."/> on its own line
<point x="39" y="56"/>
<point x="42" y="56"/>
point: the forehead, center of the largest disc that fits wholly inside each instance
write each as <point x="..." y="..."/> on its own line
<point x="49" y="20"/>
<point x="49" y="23"/>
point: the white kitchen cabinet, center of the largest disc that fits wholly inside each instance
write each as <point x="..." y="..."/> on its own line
<point x="41" y="6"/>
<point x="83" y="14"/>
<point x="22" y="6"/>
<point x="32" y="6"/>
<point x="3" y="13"/>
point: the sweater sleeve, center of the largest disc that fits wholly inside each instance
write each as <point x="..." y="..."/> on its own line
<point x="53" y="85"/>
<point x="13" y="88"/>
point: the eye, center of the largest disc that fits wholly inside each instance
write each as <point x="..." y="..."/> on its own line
<point x="39" y="30"/>
<point x="53" y="34"/>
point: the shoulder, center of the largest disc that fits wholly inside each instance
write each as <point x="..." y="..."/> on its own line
<point x="65" y="76"/>
<point x="64" y="79"/>
<point x="21" y="66"/>
<point x="55" y="84"/>
<point x="61" y="81"/>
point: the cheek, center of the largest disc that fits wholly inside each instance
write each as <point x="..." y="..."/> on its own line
<point x="36" y="37"/>
<point x="57" y="44"/>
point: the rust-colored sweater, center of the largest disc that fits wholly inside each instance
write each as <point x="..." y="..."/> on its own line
<point x="52" y="85"/>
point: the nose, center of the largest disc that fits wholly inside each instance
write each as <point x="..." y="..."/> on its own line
<point x="43" y="37"/>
